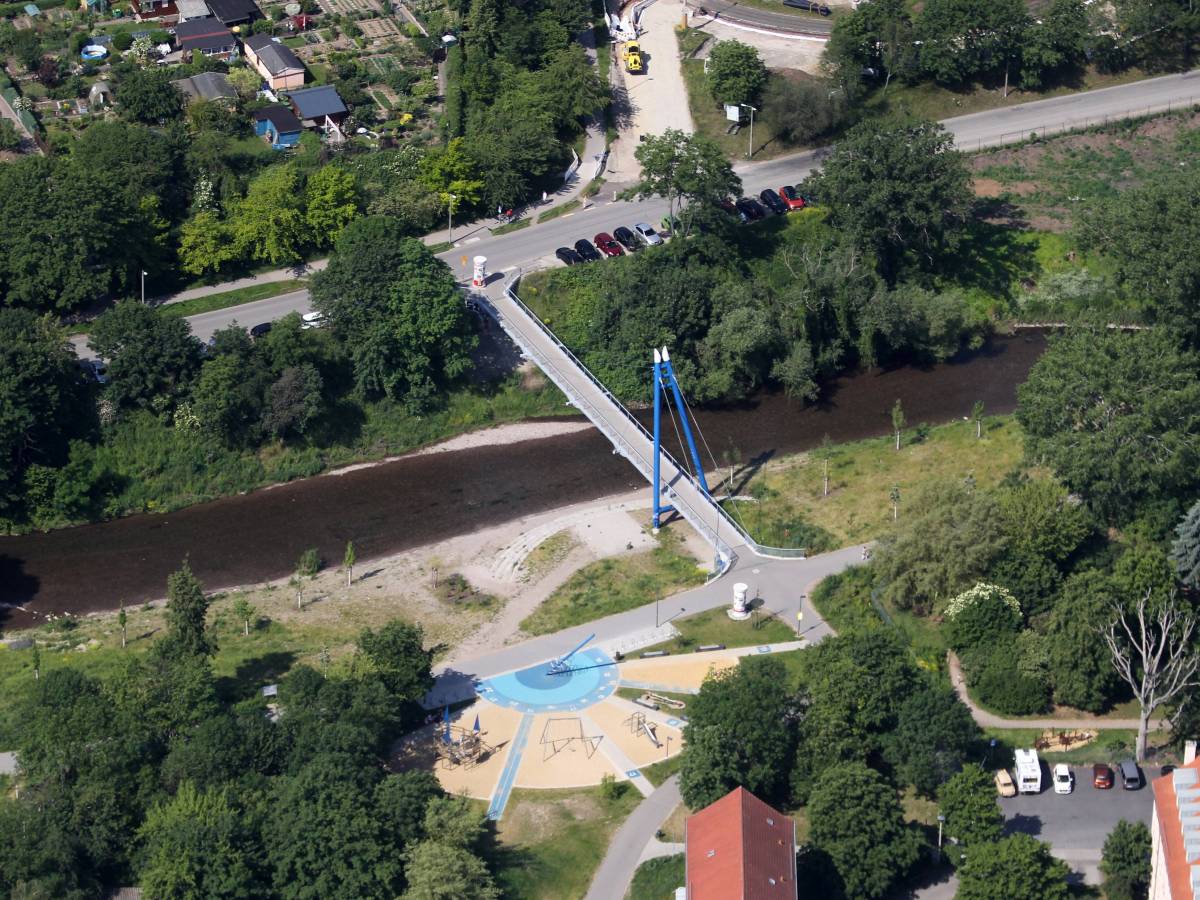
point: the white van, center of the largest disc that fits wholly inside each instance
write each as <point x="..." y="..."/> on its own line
<point x="1029" y="772"/>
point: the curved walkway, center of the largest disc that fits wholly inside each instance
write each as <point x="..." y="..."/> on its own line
<point x="612" y="879"/>
<point x="991" y="720"/>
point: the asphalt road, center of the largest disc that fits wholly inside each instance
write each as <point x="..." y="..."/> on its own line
<point x="742" y="14"/>
<point x="534" y="246"/>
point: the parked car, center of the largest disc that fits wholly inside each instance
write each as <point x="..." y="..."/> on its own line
<point x="773" y="202"/>
<point x="94" y="369"/>
<point x="750" y="208"/>
<point x="791" y="197"/>
<point x="1102" y="776"/>
<point x="1064" y="779"/>
<point x="314" y="319"/>
<point x="585" y="249"/>
<point x="813" y="6"/>
<point x="648" y="235"/>
<point x="729" y="207"/>
<point x="259" y="330"/>
<point x="626" y="238"/>
<point x="607" y="245"/>
<point x="568" y="256"/>
<point x="1004" y="784"/>
<point x="1131" y="775"/>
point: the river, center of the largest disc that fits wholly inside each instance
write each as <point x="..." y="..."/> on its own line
<point x="422" y="499"/>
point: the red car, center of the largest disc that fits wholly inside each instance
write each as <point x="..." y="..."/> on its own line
<point x="607" y="245"/>
<point x="1102" y="776"/>
<point x="791" y="198"/>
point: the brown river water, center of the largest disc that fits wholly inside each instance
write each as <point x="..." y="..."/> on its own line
<point x="419" y="500"/>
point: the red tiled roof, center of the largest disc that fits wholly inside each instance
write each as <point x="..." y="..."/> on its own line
<point x="739" y="848"/>
<point x="1179" y="874"/>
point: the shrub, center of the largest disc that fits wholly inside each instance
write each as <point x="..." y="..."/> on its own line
<point x="998" y="685"/>
<point x="981" y="615"/>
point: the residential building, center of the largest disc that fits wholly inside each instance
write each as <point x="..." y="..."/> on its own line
<point x="740" y="848"/>
<point x="278" y="125"/>
<point x="1175" y="832"/>
<point x="206" y="36"/>
<point x="275" y="62"/>
<point x="213" y="86"/>
<point x="234" y="12"/>
<point x="158" y="11"/>
<point x="192" y="9"/>
<point x="320" y="107"/>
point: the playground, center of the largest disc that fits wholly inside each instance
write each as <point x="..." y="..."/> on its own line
<point x="560" y="723"/>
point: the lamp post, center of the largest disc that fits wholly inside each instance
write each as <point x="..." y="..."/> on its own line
<point x="750" y="149"/>
<point x="941" y="822"/>
<point x="450" y="216"/>
<point x="143" y="287"/>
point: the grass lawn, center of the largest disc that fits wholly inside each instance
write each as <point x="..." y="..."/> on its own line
<point x="548" y="554"/>
<point x="709" y="117"/>
<point x="615" y="585"/>
<point x="558" y="211"/>
<point x="661" y="771"/>
<point x="715" y="627"/>
<point x="1109" y="747"/>
<point x="551" y="842"/>
<point x="512" y="226"/>
<point x="237" y="297"/>
<point x="656" y="879"/>
<point x="633" y="693"/>
<point x="862" y="473"/>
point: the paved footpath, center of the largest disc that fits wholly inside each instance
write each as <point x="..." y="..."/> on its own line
<point x="612" y="879"/>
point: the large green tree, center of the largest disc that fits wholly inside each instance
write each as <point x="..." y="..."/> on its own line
<point x="968" y="801"/>
<point x="269" y="225"/>
<point x="1015" y="866"/>
<point x="964" y="39"/>
<point x="187" y="611"/>
<point x="900" y="192"/>
<point x="399" y="311"/>
<point x="1116" y="415"/>
<point x="726" y="748"/>
<point x="152" y="357"/>
<point x="855" y="817"/>
<point x="1185" y="549"/>
<point x="1126" y="861"/>
<point x="1081" y="669"/>
<point x="933" y="737"/>
<point x="736" y="73"/>
<point x="148" y="96"/>
<point x="684" y="168"/>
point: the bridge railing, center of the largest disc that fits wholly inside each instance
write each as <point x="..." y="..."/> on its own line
<point x="633" y="453"/>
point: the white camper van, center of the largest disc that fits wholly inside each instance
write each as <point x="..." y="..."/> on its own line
<point x="1029" y="772"/>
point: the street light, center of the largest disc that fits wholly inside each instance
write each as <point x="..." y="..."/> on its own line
<point x="143" y="287"/>
<point x="450" y="215"/>
<point x="941" y="821"/>
<point x="750" y="149"/>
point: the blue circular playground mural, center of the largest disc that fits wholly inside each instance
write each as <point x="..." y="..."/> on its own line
<point x="590" y="676"/>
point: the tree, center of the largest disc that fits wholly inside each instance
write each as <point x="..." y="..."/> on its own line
<point x="152" y="357"/>
<point x="397" y="654"/>
<point x="1056" y="43"/>
<point x="877" y="36"/>
<point x="123" y="622"/>
<point x="195" y="846"/>
<point x="270" y="224"/>
<point x="964" y="39"/>
<point x="1155" y="656"/>
<point x="985" y="614"/>
<point x="684" y="167"/>
<point x="306" y="567"/>
<point x="933" y="735"/>
<point x="40" y="402"/>
<point x="245" y="611"/>
<point x="898" y="191"/>
<point x="206" y="243"/>
<point x="724" y="748"/>
<point x="968" y="801"/>
<point x="977" y="418"/>
<point x="949" y="538"/>
<point x="187" y="612"/>
<point x="1081" y="669"/>
<point x="1117" y="416"/>
<point x="398" y="309"/>
<point x="736" y="73"/>
<point x="437" y="871"/>
<point x="856" y="818"/>
<point x="1015" y="866"/>
<point x="898" y="421"/>
<point x="1185" y="549"/>
<point x="228" y="397"/>
<point x="348" y="563"/>
<point x="10" y="138"/>
<point x="147" y="96"/>
<point x="331" y="200"/>
<point x="894" y="499"/>
<point x="293" y="401"/>
<point x="1126" y="861"/>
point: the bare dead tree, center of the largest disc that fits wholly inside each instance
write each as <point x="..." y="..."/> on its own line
<point x="1154" y="656"/>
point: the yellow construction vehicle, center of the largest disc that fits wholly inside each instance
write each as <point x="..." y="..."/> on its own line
<point x="633" y="58"/>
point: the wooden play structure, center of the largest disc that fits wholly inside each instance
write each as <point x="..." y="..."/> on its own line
<point x="1061" y="741"/>
<point x="458" y="746"/>
<point x="638" y="725"/>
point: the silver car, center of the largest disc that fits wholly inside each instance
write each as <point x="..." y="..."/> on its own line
<point x="644" y="231"/>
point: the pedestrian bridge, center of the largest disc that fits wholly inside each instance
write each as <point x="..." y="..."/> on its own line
<point x="627" y="435"/>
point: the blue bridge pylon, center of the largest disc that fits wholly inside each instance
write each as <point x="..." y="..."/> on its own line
<point x="664" y="378"/>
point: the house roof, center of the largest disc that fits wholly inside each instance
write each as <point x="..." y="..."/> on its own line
<point x="740" y="847"/>
<point x="8" y="763"/>
<point x="207" y="86"/>
<point x="278" y="58"/>
<point x="281" y="117"/>
<point x="1177" y="807"/>
<point x="203" y="34"/>
<point x="192" y="9"/>
<point x="316" y="102"/>
<point x="234" y="10"/>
